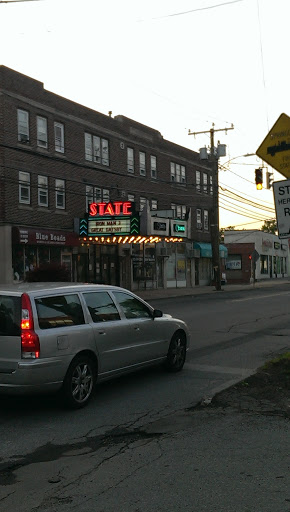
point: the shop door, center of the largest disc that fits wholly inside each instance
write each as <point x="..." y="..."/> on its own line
<point x="109" y="274"/>
<point x="66" y="261"/>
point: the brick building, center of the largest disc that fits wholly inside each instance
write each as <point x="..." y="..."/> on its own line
<point x="57" y="157"/>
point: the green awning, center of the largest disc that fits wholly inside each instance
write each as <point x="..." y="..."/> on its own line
<point x="206" y="250"/>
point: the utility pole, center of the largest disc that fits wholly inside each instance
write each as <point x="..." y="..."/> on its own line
<point x="214" y="213"/>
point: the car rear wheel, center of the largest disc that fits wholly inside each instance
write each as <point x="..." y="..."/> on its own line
<point x="176" y="353"/>
<point x="79" y="382"/>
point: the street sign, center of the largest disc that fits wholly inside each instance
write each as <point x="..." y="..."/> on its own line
<point x="282" y="205"/>
<point x="275" y="148"/>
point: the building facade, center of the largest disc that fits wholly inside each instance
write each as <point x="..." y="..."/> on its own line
<point x="255" y="255"/>
<point x="58" y="157"/>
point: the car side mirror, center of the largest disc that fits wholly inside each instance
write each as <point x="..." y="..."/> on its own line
<point x="157" y="313"/>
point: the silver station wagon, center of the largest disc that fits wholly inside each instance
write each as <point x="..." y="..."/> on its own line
<point x="66" y="337"/>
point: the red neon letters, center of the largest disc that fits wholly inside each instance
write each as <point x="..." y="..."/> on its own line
<point x="116" y="208"/>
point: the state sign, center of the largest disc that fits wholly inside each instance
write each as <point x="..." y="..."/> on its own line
<point x="282" y="205"/>
<point x="275" y="148"/>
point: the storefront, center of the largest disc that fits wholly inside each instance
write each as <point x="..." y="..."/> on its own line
<point x="203" y="262"/>
<point x="34" y="247"/>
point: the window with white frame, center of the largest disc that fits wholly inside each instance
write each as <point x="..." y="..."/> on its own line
<point x="211" y="185"/>
<point x="41" y="123"/>
<point x="59" y="137"/>
<point x="96" y="195"/>
<point x="179" y="210"/>
<point x="42" y="190"/>
<point x="205" y="181"/>
<point x="131" y="198"/>
<point x="177" y="173"/>
<point x="96" y="149"/>
<point x="60" y="194"/>
<point x="205" y="220"/>
<point x="197" y="180"/>
<point x="24" y="187"/>
<point x="23" y="125"/>
<point x="153" y="166"/>
<point x="142" y="163"/>
<point x="198" y="219"/>
<point x="143" y="202"/>
<point x="154" y="204"/>
<point x="130" y="159"/>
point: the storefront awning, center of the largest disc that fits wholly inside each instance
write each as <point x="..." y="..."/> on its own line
<point x="206" y="250"/>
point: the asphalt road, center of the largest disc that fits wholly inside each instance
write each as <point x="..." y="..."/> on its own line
<point x="138" y="431"/>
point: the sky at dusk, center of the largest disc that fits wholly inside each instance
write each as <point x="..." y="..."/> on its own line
<point x="174" y="66"/>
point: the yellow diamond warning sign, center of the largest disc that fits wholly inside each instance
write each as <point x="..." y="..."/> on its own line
<point x="275" y="148"/>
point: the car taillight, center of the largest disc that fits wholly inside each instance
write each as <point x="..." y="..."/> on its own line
<point x="29" y="340"/>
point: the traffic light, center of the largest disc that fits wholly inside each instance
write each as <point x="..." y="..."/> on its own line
<point x="259" y="178"/>
<point x="269" y="179"/>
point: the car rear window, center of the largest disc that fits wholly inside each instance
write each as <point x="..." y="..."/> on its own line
<point x="59" y="311"/>
<point x="10" y="313"/>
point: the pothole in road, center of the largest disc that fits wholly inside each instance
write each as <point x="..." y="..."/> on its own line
<point x="50" y="452"/>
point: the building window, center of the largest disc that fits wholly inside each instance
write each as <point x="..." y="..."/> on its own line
<point x="96" y="149"/>
<point x="179" y="210"/>
<point x="42" y="191"/>
<point x="210" y="185"/>
<point x="96" y="195"/>
<point x="23" y="126"/>
<point x="142" y="163"/>
<point x="198" y="219"/>
<point x="197" y="179"/>
<point x="205" y="220"/>
<point x="154" y="204"/>
<point x="234" y="262"/>
<point x="143" y="202"/>
<point x="153" y="166"/>
<point x="41" y="131"/>
<point x="130" y="159"/>
<point x="60" y="194"/>
<point x="204" y="180"/>
<point x="24" y="187"/>
<point x="131" y="198"/>
<point x="263" y="264"/>
<point x="59" y="137"/>
<point x="177" y="173"/>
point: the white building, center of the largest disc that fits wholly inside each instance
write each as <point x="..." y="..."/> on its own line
<point x="247" y="247"/>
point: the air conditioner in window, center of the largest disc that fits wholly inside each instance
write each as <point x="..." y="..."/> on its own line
<point x="23" y="138"/>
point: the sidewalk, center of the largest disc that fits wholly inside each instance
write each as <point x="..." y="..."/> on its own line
<point x="153" y="294"/>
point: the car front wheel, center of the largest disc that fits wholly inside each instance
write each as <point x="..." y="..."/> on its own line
<point x="79" y="382"/>
<point x="176" y="353"/>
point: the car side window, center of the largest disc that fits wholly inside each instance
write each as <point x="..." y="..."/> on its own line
<point x="131" y="306"/>
<point x="59" y="311"/>
<point x="101" y="307"/>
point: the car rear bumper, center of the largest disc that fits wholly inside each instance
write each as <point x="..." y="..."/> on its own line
<point x="34" y="376"/>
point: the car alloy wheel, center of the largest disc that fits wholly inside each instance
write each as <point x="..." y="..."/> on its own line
<point x="176" y="353"/>
<point x="79" y="382"/>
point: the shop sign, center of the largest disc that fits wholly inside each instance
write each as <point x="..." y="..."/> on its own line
<point x="111" y="209"/>
<point x="44" y="237"/>
<point x="277" y="245"/>
<point x="267" y="244"/>
<point x="178" y="228"/>
<point x="159" y="226"/>
<point x="113" y="218"/>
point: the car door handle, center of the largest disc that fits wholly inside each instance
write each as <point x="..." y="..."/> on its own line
<point x="102" y="333"/>
<point x="137" y="328"/>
